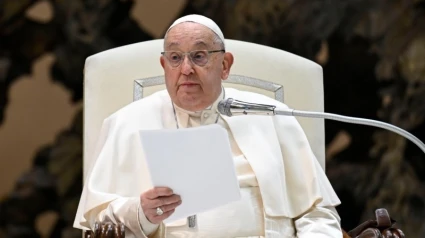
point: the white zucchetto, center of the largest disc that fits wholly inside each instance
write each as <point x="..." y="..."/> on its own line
<point x="201" y="20"/>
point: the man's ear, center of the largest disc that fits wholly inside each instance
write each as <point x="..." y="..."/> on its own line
<point x="162" y="61"/>
<point x="227" y="64"/>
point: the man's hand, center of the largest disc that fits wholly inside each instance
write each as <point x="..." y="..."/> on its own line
<point x="161" y="197"/>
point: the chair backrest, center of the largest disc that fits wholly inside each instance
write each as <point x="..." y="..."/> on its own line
<point x="116" y="77"/>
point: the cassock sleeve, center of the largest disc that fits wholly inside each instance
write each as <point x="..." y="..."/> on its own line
<point x="319" y="222"/>
<point x="127" y="211"/>
<point x="117" y="178"/>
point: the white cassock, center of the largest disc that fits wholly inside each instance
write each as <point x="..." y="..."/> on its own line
<point x="285" y="192"/>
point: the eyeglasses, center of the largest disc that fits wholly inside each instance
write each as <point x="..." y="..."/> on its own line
<point x="198" y="57"/>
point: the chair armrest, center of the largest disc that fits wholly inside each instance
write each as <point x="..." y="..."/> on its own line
<point x="382" y="227"/>
<point x="106" y="229"/>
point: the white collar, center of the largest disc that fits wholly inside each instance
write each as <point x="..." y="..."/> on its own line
<point x="207" y="116"/>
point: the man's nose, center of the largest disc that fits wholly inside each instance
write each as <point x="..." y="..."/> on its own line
<point x="187" y="65"/>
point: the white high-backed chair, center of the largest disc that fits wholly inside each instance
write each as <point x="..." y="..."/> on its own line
<point x="116" y="77"/>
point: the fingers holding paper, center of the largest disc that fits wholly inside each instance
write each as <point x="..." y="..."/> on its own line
<point x="159" y="203"/>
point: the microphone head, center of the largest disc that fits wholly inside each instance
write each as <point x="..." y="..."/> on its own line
<point x="231" y="107"/>
<point x="223" y="107"/>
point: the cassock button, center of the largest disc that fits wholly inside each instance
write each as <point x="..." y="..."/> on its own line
<point x="206" y="115"/>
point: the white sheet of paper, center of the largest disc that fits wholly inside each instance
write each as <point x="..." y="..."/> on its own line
<point x="196" y="163"/>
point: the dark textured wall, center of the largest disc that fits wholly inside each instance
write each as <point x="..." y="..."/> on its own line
<point x="372" y="53"/>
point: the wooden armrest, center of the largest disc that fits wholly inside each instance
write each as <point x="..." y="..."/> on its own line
<point x="106" y="230"/>
<point x="382" y="227"/>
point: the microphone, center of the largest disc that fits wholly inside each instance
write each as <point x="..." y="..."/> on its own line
<point x="230" y="107"/>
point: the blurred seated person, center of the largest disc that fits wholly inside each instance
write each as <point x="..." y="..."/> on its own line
<point x="285" y="192"/>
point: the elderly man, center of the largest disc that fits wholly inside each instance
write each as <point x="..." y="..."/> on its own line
<point x="285" y="192"/>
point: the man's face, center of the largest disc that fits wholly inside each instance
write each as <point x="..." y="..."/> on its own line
<point x="193" y="87"/>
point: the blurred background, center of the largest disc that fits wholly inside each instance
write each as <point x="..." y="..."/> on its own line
<point x="372" y="54"/>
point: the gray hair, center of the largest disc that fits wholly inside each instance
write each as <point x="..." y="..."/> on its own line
<point x="218" y="41"/>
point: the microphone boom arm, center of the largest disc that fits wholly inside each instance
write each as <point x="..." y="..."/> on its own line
<point x="353" y="120"/>
<point x="231" y="107"/>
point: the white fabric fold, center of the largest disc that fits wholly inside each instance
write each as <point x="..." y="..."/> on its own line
<point x="319" y="222"/>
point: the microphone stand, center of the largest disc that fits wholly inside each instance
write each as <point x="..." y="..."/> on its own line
<point x="231" y="107"/>
<point x="353" y="120"/>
